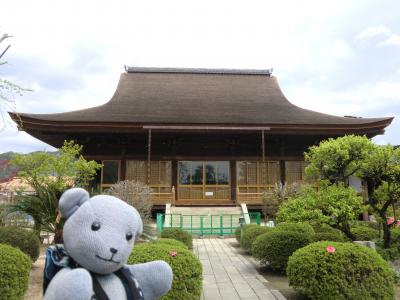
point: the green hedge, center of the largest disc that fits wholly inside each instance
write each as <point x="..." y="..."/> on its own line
<point x="295" y="227"/>
<point x="245" y="227"/>
<point x="26" y="240"/>
<point x="275" y="247"/>
<point x="364" y="233"/>
<point x="251" y="234"/>
<point x="171" y="242"/>
<point x="373" y="225"/>
<point x="327" y="233"/>
<point x="187" y="282"/>
<point x="178" y="234"/>
<point x="14" y="272"/>
<point x="351" y="272"/>
<point x="395" y="235"/>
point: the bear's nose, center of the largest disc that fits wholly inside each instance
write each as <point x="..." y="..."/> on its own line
<point x="113" y="250"/>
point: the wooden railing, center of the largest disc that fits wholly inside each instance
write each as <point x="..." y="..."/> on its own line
<point x="248" y="198"/>
<point x="163" y="198"/>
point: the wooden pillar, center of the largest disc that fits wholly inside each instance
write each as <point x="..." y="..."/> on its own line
<point x="122" y="175"/>
<point x="174" y="176"/>
<point x="282" y="171"/>
<point x="263" y="157"/>
<point x="232" y="175"/>
<point x="148" y="156"/>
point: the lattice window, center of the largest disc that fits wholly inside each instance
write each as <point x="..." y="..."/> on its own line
<point x="295" y="171"/>
<point x="160" y="172"/>
<point x="253" y="173"/>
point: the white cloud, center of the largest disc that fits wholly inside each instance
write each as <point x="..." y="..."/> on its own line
<point x="387" y="37"/>
<point x="393" y="39"/>
<point x="372" y="32"/>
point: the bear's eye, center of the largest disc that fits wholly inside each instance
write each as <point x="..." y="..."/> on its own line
<point x="129" y="236"/>
<point x="96" y="226"/>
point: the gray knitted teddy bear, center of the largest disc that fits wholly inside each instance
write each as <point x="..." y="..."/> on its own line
<point x="99" y="235"/>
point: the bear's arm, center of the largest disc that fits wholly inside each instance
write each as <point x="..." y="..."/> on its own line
<point x="70" y="284"/>
<point x="155" y="278"/>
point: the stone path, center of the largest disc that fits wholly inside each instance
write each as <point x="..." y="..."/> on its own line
<point x="229" y="275"/>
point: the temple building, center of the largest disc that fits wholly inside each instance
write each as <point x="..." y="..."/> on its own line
<point x="197" y="136"/>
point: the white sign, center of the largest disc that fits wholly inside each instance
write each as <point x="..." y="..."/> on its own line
<point x="210" y="194"/>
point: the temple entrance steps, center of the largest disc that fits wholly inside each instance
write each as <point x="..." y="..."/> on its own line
<point x="205" y="221"/>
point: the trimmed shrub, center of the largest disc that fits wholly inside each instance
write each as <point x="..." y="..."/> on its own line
<point x="395" y="235"/>
<point x="275" y="247"/>
<point x="251" y="234"/>
<point x="327" y="233"/>
<point x="178" y="234"/>
<point x="364" y="233"/>
<point x="373" y="225"/>
<point x="187" y="282"/>
<point x="245" y="227"/>
<point x="349" y="271"/>
<point x="14" y="272"/>
<point x="26" y="240"/>
<point x="295" y="227"/>
<point x="389" y="254"/>
<point x="171" y="242"/>
<point x="334" y="236"/>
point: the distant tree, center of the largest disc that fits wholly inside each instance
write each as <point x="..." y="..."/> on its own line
<point x="379" y="166"/>
<point x="136" y="194"/>
<point x="381" y="171"/>
<point x="335" y="205"/>
<point x="271" y="201"/>
<point x="8" y="89"/>
<point x="336" y="160"/>
<point x="50" y="175"/>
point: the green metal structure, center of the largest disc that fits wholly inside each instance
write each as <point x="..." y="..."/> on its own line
<point x="202" y="225"/>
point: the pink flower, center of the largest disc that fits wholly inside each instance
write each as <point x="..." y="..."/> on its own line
<point x="173" y="253"/>
<point x="398" y="222"/>
<point x="330" y="249"/>
<point x="390" y="220"/>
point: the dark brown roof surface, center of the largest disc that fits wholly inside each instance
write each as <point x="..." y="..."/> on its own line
<point x="173" y="96"/>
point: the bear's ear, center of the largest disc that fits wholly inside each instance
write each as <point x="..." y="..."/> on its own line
<point x="71" y="200"/>
<point x="139" y="224"/>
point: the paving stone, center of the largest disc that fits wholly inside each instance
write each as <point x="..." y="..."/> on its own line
<point x="227" y="291"/>
<point x="227" y="274"/>
<point x="210" y="291"/>
<point x="244" y="290"/>
<point x="209" y="279"/>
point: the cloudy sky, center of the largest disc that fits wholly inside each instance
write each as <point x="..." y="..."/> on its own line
<point x="338" y="57"/>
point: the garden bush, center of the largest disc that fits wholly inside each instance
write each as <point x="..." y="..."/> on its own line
<point x="334" y="236"/>
<point x="364" y="233"/>
<point x="14" y="272"/>
<point x="171" y="242"/>
<point x="275" y="247"/>
<point x="251" y="234"/>
<point x="187" y="282"/>
<point x="389" y="254"/>
<point x="296" y="227"/>
<point x="26" y="240"/>
<point x="327" y="233"/>
<point x="329" y="270"/>
<point x="373" y="225"/>
<point x="245" y="227"/>
<point x="395" y="235"/>
<point x="178" y="234"/>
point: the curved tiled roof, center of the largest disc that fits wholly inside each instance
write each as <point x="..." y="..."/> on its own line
<point x="200" y="96"/>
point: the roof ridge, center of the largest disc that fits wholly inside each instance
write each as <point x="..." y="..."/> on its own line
<point x="133" y="69"/>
